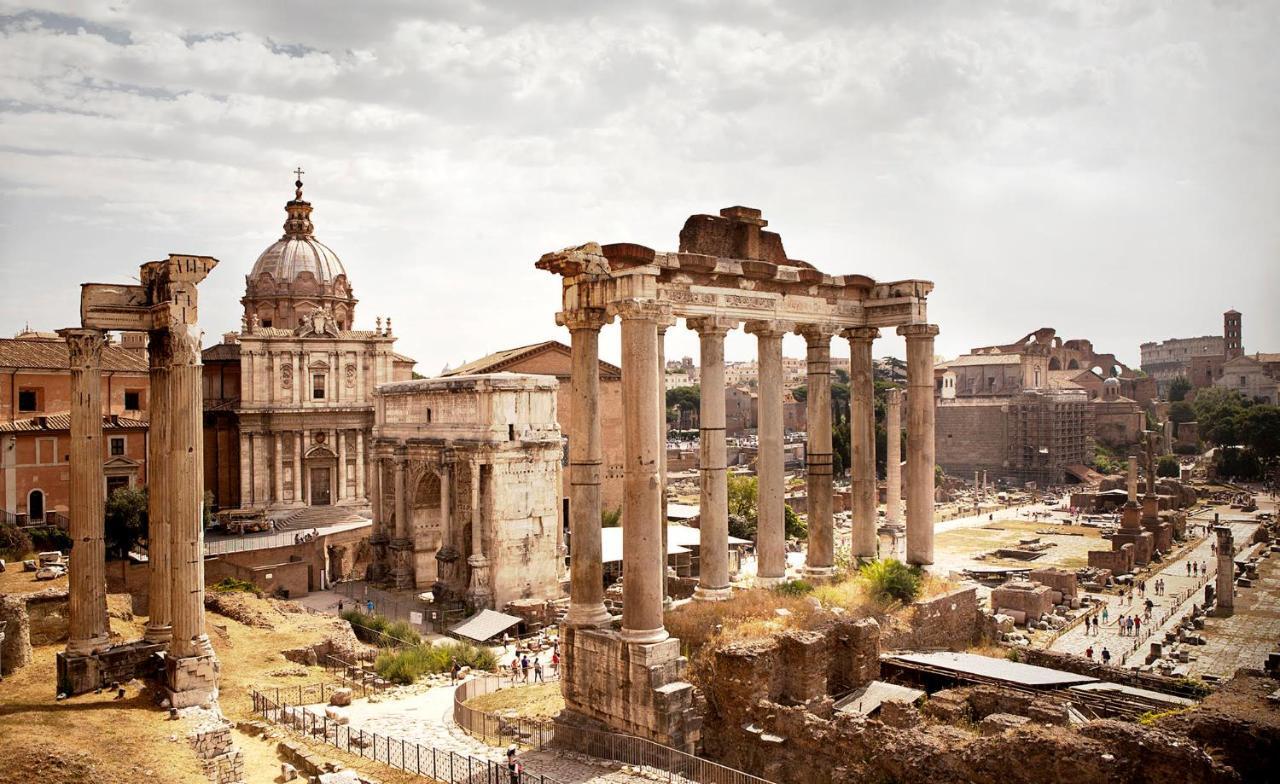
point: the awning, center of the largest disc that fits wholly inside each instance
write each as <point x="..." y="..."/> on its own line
<point x="686" y="536"/>
<point x="485" y="626"/>
<point x="611" y="545"/>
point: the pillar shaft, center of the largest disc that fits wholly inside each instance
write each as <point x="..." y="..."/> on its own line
<point x="661" y="402"/>
<point x="160" y="620"/>
<point x="360" y="496"/>
<point x="1132" y="479"/>
<point x="297" y="496"/>
<point x="586" y="572"/>
<point x="89" y="629"/>
<point x="643" y="563"/>
<point x="277" y="469"/>
<point x="820" y="560"/>
<point x="186" y="490"/>
<point x="893" y="457"/>
<point x="862" y="440"/>
<point x="770" y="529"/>
<point x="920" y="444"/>
<point x="713" y="512"/>
<point x="402" y="500"/>
<point x="341" y="493"/>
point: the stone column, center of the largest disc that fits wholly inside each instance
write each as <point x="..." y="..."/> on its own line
<point x="342" y="465"/>
<point x="302" y="468"/>
<point x="770" y="530"/>
<point x="402" y="545"/>
<point x="1133" y="479"/>
<point x="643" y="563"/>
<point x="89" y="629"/>
<point x="298" y="497"/>
<point x="479" y="591"/>
<point x="820" y="560"/>
<point x="159" y="577"/>
<point x="246" y="470"/>
<point x="1226" y="577"/>
<point x="893" y="457"/>
<point x="277" y="469"/>
<point x="862" y="441"/>
<point x="713" y="527"/>
<point x="920" y="445"/>
<point x="402" y="499"/>
<point x="661" y="402"/>
<point x="586" y="458"/>
<point x="360" y="495"/>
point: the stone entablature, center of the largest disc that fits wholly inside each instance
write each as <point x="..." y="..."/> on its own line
<point x="466" y="498"/>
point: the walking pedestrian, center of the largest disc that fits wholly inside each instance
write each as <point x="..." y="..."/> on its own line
<point x="524" y="668"/>
<point x="369" y="606"/>
<point x="514" y="768"/>
<point x="1137" y="625"/>
<point x="339" y="607"/>
<point x="537" y="671"/>
<point x="1088" y="652"/>
<point x="555" y="663"/>
<point x="1106" y="656"/>
<point x="1104" y="613"/>
<point x="456" y="670"/>
<point x="515" y="668"/>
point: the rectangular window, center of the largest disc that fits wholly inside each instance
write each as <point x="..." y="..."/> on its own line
<point x="117" y="446"/>
<point x="1242" y="381"/>
<point x="46" y="451"/>
<point x="29" y="398"/>
<point x="317" y="386"/>
<point x="132" y="400"/>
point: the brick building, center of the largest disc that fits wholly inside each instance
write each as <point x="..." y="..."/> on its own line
<point x="1199" y="360"/>
<point x="35" y="422"/>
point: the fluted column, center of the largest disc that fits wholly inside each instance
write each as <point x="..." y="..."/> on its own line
<point x="661" y="402"/>
<point x="713" y="509"/>
<point x="89" y="629"/>
<point x="770" y="529"/>
<point x="342" y="465"/>
<point x="360" y="496"/>
<point x="159" y="577"/>
<point x="920" y="444"/>
<point x="893" y="457"/>
<point x="820" y="560"/>
<point x="862" y="437"/>
<point x="277" y="469"/>
<point x="186" y="491"/>
<point x="586" y="458"/>
<point x="643" y="562"/>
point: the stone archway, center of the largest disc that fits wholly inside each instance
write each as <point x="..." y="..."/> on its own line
<point x="1054" y="364"/>
<point x="428" y="527"/>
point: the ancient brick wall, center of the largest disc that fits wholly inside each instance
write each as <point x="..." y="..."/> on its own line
<point x="951" y="621"/>
<point x="971" y="437"/>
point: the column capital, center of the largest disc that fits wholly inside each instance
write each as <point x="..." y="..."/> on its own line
<point x="640" y="310"/>
<point x="712" y="325"/>
<point x="184" y="344"/>
<point x="84" y="345"/>
<point x="861" y="333"/>
<point x="817" y="333"/>
<point x="583" y="319"/>
<point x="769" y="329"/>
<point x="918" y="331"/>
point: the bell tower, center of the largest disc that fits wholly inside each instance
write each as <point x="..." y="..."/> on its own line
<point x="1233" y="342"/>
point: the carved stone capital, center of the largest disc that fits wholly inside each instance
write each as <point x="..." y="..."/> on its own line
<point x="867" y="334"/>
<point x="84" y="347"/>
<point x="918" y="331"/>
<point x="817" y="333"/>
<point x="583" y="319"/>
<point x="184" y="344"/>
<point x="712" y="325"/>
<point x="769" y="329"/>
<point x="641" y="310"/>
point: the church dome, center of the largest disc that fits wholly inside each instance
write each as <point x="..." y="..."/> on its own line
<point x="298" y="274"/>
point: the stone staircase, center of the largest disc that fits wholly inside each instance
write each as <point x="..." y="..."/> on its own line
<point x="317" y="517"/>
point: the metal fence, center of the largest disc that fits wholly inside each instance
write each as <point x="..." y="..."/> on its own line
<point x="493" y="728"/>
<point x="678" y="766"/>
<point x="425" y="761"/>
<point x="240" y="544"/>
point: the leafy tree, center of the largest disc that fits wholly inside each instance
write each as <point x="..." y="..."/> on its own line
<point x="1178" y="389"/>
<point x="14" y="541"/>
<point x="686" y="399"/>
<point x="1168" y="466"/>
<point x="796" y="528"/>
<point x="1220" y="413"/>
<point x="1181" y="411"/>
<point x="1105" y="462"/>
<point x="125" y="523"/>
<point x="1260" y="429"/>
<point x="744" y="498"/>
<point x="611" y="518"/>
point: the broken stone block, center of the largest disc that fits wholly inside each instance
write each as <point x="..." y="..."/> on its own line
<point x="288" y="772"/>
<point x="997" y="723"/>
<point x="340" y="697"/>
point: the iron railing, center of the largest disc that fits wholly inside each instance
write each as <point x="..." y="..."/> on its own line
<point x="416" y="758"/>
<point x="492" y="728"/>
<point x="678" y="766"/>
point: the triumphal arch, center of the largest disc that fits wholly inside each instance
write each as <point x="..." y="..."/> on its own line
<point x="728" y="272"/>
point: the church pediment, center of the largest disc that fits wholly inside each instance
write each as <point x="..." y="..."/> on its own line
<point x="120" y="463"/>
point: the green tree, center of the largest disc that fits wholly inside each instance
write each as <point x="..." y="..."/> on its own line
<point x="744" y="497"/>
<point x="1181" y="411"/>
<point x="1260" y="429"/>
<point x="1220" y="414"/>
<point x="1178" y="389"/>
<point x="1168" y="466"/>
<point x="796" y="528"/>
<point x="125" y="521"/>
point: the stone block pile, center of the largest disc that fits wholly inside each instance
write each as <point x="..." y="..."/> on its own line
<point x="222" y="762"/>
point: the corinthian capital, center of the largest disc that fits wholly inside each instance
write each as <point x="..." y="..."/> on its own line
<point x="644" y="310"/>
<point x="817" y="333"/>
<point x="583" y="318"/>
<point x="711" y="325"/>
<point x="862" y="333"/>
<point x="84" y="347"/>
<point x="184" y="344"/>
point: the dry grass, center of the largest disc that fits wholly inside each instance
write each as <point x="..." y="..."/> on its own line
<point x="95" y="738"/>
<point x="14" y="580"/>
<point x="542" y="701"/>
<point x="746" y="615"/>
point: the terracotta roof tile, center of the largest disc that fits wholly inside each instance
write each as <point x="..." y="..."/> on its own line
<point x="501" y="360"/>
<point x="41" y="354"/>
<point x="62" y="421"/>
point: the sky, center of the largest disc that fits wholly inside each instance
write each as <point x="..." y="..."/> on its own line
<point x="1108" y="168"/>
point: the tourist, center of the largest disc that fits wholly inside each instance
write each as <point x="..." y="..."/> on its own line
<point x="1106" y="656"/>
<point x="524" y="668"/>
<point x="506" y="641"/>
<point x="457" y="670"/>
<point x="514" y="768"/>
<point x="339" y="607"/>
<point x="1088" y="652"/>
<point x="515" y="668"/>
<point x="369" y="606"/>
<point x="1204" y="567"/>
<point x="1188" y="568"/>
<point x="537" y="671"/>
<point x="1104" y="613"/>
<point x="1137" y="625"/>
<point x="555" y="663"/>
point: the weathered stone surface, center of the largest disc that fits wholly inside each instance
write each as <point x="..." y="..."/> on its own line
<point x="340" y="697"/>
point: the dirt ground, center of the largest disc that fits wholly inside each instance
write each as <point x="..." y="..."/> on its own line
<point x="96" y="738"/>
<point x="530" y="702"/>
<point x="14" y="580"/>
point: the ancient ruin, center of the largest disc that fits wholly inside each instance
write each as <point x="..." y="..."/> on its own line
<point x="165" y="307"/>
<point x="727" y="271"/>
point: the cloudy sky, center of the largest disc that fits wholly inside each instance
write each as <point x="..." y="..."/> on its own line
<point x="1108" y="168"/>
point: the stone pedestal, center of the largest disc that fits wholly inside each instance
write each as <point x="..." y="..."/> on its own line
<point x="402" y="573"/>
<point x="479" y="592"/>
<point x="82" y="674"/>
<point x="191" y="680"/>
<point x="633" y="688"/>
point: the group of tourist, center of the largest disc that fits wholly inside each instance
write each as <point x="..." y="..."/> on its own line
<point x="522" y="665"/>
<point x="1106" y="654"/>
<point x="1197" y="569"/>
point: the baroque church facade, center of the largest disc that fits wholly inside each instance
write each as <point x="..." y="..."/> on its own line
<point x="289" y="399"/>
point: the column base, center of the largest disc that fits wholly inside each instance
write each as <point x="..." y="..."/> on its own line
<point x="587" y="616"/>
<point x="159" y="634"/>
<point x="88" y="647"/>
<point x="191" y="680"/>
<point x="820" y="572"/>
<point x="644" y="636"/>
<point x="712" y="594"/>
<point x="769" y="582"/>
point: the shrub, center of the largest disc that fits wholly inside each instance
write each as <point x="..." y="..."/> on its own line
<point x="231" y="584"/>
<point x="14" y="541"/>
<point x="796" y="528"/>
<point x="408" y="664"/>
<point x="1168" y="466"/>
<point x="1186" y="449"/>
<point x="794" y="588"/>
<point x="50" y="537"/>
<point x="890" y="578"/>
<point x="380" y="631"/>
